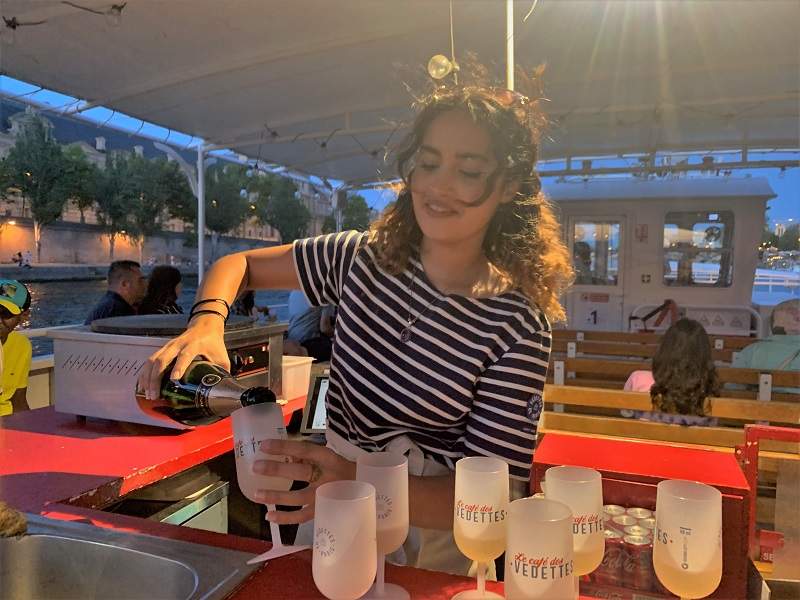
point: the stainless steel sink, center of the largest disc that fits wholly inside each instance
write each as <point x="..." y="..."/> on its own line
<point x="70" y="561"/>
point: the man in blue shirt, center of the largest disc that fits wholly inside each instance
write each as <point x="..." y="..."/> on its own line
<point x="126" y="289"/>
<point x="310" y="326"/>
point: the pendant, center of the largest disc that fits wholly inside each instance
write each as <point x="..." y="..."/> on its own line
<point x="405" y="334"/>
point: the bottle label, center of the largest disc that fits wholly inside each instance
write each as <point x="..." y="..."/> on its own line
<point x="207" y="382"/>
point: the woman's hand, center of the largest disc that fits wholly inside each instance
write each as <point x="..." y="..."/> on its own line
<point x="310" y="462"/>
<point x="203" y="337"/>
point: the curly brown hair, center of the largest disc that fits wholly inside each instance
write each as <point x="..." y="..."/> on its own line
<point x="684" y="371"/>
<point x="523" y="240"/>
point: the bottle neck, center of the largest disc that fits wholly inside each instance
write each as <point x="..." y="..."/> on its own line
<point x="257" y="395"/>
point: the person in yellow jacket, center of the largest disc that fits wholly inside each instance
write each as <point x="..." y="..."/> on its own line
<point x="15" y="300"/>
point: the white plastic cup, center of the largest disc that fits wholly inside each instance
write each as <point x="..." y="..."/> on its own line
<point x="345" y="547"/>
<point x="539" y="551"/>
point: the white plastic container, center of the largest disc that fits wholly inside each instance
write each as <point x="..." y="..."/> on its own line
<point x="296" y="374"/>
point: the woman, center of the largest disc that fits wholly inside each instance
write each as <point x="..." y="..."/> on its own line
<point x="683" y="377"/>
<point x="163" y="289"/>
<point x="443" y="330"/>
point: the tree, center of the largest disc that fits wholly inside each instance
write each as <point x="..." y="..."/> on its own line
<point x="790" y="239"/>
<point x="768" y="237"/>
<point x="36" y="167"/>
<point x="355" y="213"/>
<point x="80" y="179"/>
<point x="227" y="202"/>
<point x="152" y="185"/>
<point x="329" y="224"/>
<point x="277" y="206"/>
<point x="113" y="199"/>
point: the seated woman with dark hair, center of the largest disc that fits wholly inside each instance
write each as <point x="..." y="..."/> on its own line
<point x="683" y="377"/>
<point x="163" y="289"/>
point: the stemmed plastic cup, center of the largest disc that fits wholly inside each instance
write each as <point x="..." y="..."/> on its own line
<point x="539" y="551"/>
<point x="388" y="472"/>
<point x="479" y="522"/>
<point x="345" y="551"/>
<point x="251" y="426"/>
<point x="687" y="548"/>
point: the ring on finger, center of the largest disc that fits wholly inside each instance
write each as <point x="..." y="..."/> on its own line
<point x="316" y="472"/>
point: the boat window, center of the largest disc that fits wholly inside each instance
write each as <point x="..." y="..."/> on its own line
<point x="698" y="249"/>
<point x="595" y="252"/>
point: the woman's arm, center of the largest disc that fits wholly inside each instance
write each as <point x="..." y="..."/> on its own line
<point x="430" y="499"/>
<point x="265" y="268"/>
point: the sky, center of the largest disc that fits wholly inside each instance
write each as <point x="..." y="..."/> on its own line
<point x="784" y="208"/>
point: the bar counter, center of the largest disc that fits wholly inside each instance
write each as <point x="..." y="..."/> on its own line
<point x="61" y="467"/>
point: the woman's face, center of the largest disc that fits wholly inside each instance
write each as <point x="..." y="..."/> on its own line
<point x="178" y="289"/>
<point x="451" y="169"/>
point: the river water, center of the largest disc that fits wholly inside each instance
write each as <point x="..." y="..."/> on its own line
<point x="68" y="302"/>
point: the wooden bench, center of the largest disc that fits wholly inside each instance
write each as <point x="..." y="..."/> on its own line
<point x="634" y="345"/>
<point x="731" y="342"/>
<point x="732" y="410"/>
<point x="612" y="374"/>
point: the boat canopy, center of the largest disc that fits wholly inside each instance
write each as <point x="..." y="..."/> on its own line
<point x="642" y="190"/>
<point x="319" y="87"/>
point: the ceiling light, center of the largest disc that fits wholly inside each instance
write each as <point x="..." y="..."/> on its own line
<point x="439" y="66"/>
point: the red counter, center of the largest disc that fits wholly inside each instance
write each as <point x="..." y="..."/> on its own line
<point x="55" y="465"/>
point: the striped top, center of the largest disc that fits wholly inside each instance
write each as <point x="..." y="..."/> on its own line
<point x="468" y="382"/>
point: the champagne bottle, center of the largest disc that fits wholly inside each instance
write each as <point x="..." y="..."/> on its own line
<point x="205" y="394"/>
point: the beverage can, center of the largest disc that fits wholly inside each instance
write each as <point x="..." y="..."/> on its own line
<point x="648" y="523"/>
<point x="638" y="530"/>
<point x="613" y="510"/>
<point x="639" y="513"/>
<point x="610" y="570"/>
<point x="637" y="571"/>
<point x="620" y="522"/>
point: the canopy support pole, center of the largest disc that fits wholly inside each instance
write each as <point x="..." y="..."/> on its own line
<point x="510" y="44"/>
<point x="201" y="213"/>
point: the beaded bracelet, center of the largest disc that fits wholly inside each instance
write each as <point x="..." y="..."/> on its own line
<point x="207" y="300"/>
<point x="208" y="311"/>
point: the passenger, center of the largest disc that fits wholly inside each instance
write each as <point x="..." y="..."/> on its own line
<point x="582" y="262"/>
<point x="779" y="351"/>
<point x="126" y="288"/>
<point x="15" y="302"/>
<point x="310" y="326"/>
<point x="245" y="305"/>
<point x="443" y="332"/>
<point x="27" y="259"/>
<point x="682" y="379"/>
<point x="163" y="290"/>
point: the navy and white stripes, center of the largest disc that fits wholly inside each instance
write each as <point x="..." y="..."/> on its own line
<point x="468" y="382"/>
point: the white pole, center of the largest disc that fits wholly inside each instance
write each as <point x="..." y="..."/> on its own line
<point x="510" y="44"/>
<point x="201" y="212"/>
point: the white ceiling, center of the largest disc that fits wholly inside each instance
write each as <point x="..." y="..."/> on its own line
<point x="622" y="75"/>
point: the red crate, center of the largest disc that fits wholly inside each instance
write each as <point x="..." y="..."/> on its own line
<point x="632" y="469"/>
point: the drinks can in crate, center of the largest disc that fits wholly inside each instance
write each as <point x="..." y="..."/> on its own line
<point x="638" y="530"/>
<point x="637" y="571"/>
<point x="612" y="510"/>
<point x="620" y="522"/>
<point x="639" y="513"/>
<point x="610" y="570"/>
<point x="648" y="523"/>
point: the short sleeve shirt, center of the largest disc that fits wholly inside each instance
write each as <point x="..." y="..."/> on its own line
<point x="467" y="382"/>
<point x="17" y="353"/>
